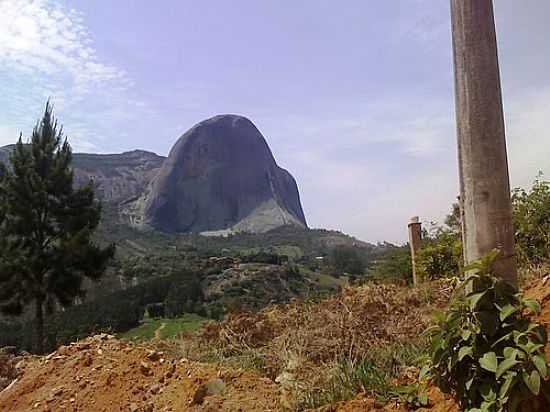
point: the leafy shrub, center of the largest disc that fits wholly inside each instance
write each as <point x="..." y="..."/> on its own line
<point x="440" y="257"/>
<point x="485" y="349"/>
<point x="531" y="212"/>
<point x="394" y="264"/>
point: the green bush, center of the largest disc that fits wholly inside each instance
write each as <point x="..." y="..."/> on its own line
<point x="531" y="212"/>
<point x="395" y="264"/>
<point x="440" y="257"/>
<point x="485" y="350"/>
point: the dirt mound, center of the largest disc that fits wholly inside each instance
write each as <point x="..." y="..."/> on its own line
<point x="12" y="365"/>
<point x="102" y="373"/>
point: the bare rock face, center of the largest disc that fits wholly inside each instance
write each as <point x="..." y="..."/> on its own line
<point x="220" y="177"/>
<point x="117" y="178"/>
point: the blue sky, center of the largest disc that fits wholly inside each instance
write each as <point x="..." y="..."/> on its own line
<point x="355" y="98"/>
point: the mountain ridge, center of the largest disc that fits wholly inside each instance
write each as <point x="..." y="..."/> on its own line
<point x="235" y="186"/>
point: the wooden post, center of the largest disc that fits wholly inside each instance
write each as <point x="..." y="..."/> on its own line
<point x="484" y="180"/>
<point x="415" y="241"/>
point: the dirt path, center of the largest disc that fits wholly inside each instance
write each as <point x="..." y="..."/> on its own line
<point x="159" y="329"/>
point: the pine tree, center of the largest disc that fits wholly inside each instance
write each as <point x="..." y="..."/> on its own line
<point x="46" y="227"/>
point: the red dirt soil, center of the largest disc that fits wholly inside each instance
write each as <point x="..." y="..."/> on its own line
<point x="102" y="373"/>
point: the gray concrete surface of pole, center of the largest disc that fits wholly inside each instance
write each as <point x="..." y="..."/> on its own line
<point x="484" y="178"/>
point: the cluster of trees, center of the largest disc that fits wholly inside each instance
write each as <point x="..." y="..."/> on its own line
<point x="344" y="259"/>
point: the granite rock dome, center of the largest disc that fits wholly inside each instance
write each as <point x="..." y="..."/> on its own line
<point x="220" y="176"/>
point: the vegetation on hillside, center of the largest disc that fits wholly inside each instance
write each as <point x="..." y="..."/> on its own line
<point x="361" y="339"/>
<point x="393" y="265"/>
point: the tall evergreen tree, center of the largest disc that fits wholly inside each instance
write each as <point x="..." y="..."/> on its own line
<point x="46" y="227"/>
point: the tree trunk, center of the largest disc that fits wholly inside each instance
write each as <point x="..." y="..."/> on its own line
<point x="39" y="319"/>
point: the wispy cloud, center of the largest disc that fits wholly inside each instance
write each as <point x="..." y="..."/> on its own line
<point x="47" y="52"/>
<point x="39" y="36"/>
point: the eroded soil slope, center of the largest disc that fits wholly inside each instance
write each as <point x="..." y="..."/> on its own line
<point x="102" y="373"/>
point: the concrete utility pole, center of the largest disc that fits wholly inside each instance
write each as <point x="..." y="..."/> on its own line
<point x="415" y="240"/>
<point x="484" y="180"/>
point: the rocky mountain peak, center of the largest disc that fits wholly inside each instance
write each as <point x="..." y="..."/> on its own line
<point x="220" y="176"/>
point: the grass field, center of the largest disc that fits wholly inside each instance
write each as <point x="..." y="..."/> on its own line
<point x="163" y="328"/>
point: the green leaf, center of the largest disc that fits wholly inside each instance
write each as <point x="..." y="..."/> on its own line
<point x="474" y="268"/>
<point x="532" y="305"/>
<point x="465" y="351"/>
<point x="423" y="398"/>
<point x="531" y="347"/>
<point x="532" y="381"/>
<point x="488" y="393"/>
<point x="489" y="322"/>
<point x="506" y="311"/>
<point x="466" y="334"/>
<point x="540" y="364"/>
<point x="439" y="316"/>
<point x="424" y="372"/>
<point x="507" y="385"/>
<point x="520" y="337"/>
<point x="475" y="298"/>
<point x="489" y="362"/>
<point x="505" y="365"/>
<point x="502" y="339"/>
<point x="510" y="353"/>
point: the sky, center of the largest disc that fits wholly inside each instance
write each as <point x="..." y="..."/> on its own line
<point x="355" y="98"/>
